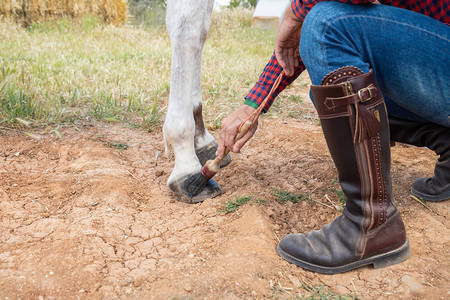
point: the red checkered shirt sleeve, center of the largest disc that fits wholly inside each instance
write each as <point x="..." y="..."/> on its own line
<point x="263" y="86"/>
<point x="436" y="9"/>
<point x="302" y="7"/>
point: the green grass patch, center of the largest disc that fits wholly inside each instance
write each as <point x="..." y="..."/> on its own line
<point x="340" y="195"/>
<point x="232" y="205"/>
<point x="336" y="190"/>
<point x="113" y="144"/>
<point x="294" y="98"/>
<point x="322" y="292"/>
<point x="309" y="292"/>
<point x="283" y="196"/>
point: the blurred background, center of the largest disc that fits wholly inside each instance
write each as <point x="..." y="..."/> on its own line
<point x="66" y="62"/>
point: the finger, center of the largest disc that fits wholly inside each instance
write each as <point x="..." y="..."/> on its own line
<point x="220" y="152"/>
<point x="296" y="57"/>
<point x="280" y="57"/>
<point x="284" y="63"/>
<point x="291" y="61"/>
<point x="290" y="64"/>
<point x="231" y="133"/>
<point x="223" y="137"/>
<point x="240" y="143"/>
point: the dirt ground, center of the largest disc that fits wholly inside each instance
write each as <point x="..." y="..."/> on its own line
<point x="82" y="218"/>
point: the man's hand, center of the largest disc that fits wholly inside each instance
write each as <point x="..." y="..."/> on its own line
<point x="230" y="127"/>
<point x="287" y="41"/>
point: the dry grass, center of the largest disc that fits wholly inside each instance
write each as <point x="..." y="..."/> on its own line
<point x="61" y="72"/>
<point x="27" y="12"/>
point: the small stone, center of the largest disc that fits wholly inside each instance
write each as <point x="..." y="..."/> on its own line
<point x="138" y="276"/>
<point x="159" y="172"/>
<point x="157" y="241"/>
<point x="140" y="281"/>
<point x="132" y="264"/>
<point x="412" y="284"/>
<point x="146" y="247"/>
<point x="149" y="264"/>
<point x="188" y="288"/>
<point x="295" y="282"/>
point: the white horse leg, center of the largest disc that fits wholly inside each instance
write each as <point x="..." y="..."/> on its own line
<point x="205" y="144"/>
<point x="187" y="22"/>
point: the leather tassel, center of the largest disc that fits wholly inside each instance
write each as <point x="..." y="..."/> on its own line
<point x="367" y="125"/>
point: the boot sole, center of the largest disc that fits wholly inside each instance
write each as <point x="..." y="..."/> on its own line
<point x="432" y="198"/>
<point x="378" y="261"/>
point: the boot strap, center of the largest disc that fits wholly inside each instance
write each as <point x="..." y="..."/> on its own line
<point x="363" y="95"/>
<point x="345" y="94"/>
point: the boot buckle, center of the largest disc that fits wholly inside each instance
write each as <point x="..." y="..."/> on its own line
<point x="363" y="92"/>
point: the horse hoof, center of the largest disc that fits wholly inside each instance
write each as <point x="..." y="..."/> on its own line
<point x="212" y="189"/>
<point x="209" y="152"/>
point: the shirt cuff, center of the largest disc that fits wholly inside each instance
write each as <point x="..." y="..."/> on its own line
<point x="299" y="9"/>
<point x="251" y="103"/>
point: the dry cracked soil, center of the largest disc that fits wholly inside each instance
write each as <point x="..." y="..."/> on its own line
<point x="83" y="218"/>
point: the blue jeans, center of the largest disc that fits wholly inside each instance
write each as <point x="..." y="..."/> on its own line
<point x="408" y="52"/>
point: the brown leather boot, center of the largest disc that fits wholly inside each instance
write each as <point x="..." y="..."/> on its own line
<point x="370" y="231"/>
<point x="435" y="137"/>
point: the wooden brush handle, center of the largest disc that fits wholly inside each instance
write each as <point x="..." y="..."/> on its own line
<point x="213" y="165"/>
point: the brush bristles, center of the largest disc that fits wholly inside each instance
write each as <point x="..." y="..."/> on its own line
<point x="207" y="172"/>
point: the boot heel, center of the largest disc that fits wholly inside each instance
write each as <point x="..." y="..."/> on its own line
<point x="397" y="256"/>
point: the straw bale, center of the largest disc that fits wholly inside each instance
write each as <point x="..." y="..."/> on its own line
<point x="30" y="11"/>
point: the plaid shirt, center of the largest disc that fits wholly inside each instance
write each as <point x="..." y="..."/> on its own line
<point x="437" y="9"/>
